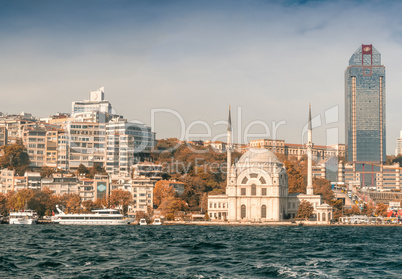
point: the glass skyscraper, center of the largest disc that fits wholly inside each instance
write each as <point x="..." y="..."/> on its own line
<point x="365" y="110"/>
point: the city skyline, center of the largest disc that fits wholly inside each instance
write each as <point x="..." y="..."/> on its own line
<point x="270" y="59"/>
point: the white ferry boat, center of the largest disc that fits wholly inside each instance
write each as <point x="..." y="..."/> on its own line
<point x="143" y="222"/>
<point x="26" y="217"/>
<point x="97" y="217"/>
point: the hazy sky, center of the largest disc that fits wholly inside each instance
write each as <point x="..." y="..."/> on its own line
<point x="269" y="58"/>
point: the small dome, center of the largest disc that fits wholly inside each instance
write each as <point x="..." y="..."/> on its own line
<point x="258" y="155"/>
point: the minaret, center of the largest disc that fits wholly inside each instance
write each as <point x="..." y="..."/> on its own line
<point x="229" y="148"/>
<point x="309" y="146"/>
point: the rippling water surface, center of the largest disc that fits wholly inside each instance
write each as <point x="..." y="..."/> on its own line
<point x="55" y="251"/>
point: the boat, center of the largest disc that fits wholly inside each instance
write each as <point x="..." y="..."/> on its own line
<point x="23" y="217"/>
<point x="143" y="222"/>
<point x="97" y="217"/>
<point x="157" y="222"/>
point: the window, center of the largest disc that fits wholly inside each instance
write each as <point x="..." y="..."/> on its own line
<point x="253" y="190"/>
<point x="323" y="216"/>
<point x="253" y="175"/>
<point x="243" y="211"/>
<point x="318" y="216"/>
<point x="264" y="211"/>
<point x="243" y="191"/>
<point x="244" y="181"/>
<point x="263" y="191"/>
<point x="262" y="180"/>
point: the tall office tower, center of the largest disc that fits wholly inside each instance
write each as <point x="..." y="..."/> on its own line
<point x="398" y="149"/>
<point x="365" y="113"/>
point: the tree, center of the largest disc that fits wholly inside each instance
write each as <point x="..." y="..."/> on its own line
<point x="82" y="169"/>
<point x="15" y="158"/>
<point x="295" y="179"/>
<point x="43" y="202"/>
<point x="88" y="205"/>
<point x="121" y="198"/>
<point x="172" y="205"/>
<point x="71" y="202"/>
<point x="3" y="205"/>
<point x="323" y="187"/>
<point x="161" y="191"/>
<point x="381" y="210"/>
<point x="46" y="172"/>
<point x="367" y="209"/>
<point x="21" y="199"/>
<point x="305" y="210"/>
<point x="142" y="215"/>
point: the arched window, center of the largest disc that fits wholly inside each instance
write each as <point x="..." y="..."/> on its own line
<point x="243" y="211"/>
<point x="253" y="190"/>
<point x="262" y="180"/>
<point x="264" y="211"/>
<point x="244" y="181"/>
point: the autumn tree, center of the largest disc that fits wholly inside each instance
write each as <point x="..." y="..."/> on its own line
<point x="381" y="210"/>
<point x="295" y="179"/>
<point x="3" y="205"/>
<point x="367" y="209"/>
<point x="82" y="169"/>
<point x="171" y="205"/>
<point x="88" y="205"/>
<point x="323" y="187"/>
<point x="355" y="210"/>
<point x="20" y="200"/>
<point x="121" y="198"/>
<point x="71" y="202"/>
<point x="46" y="172"/>
<point x="161" y="191"/>
<point x="305" y="210"/>
<point x="15" y="158"/>
<point x="43" y="202"/>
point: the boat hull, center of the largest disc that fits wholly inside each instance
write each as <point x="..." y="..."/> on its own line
<point x="23" y="221"/>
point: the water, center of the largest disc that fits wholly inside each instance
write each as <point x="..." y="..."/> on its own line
<point x="55" y="251"/>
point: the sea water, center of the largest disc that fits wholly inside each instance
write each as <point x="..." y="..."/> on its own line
<point x="57" y="251"/>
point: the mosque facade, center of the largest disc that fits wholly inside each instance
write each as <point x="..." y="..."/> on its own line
<point x="257" y="189"/>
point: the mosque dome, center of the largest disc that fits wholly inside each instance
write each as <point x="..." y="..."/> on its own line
<point x="258" y="155"/>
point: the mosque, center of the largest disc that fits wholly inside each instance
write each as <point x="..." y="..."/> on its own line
<point x="257" y="188"/>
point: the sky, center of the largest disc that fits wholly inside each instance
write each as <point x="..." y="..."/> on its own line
<point x="192" y="59"/>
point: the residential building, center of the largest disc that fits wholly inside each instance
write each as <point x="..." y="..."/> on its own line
<point x="87" y="144"/>
<point x="279" y="147"/>
<point x="3" y="135"/>
<point x="95" y="109"/>
<point x="6" y="181"/>
<point x="127" y="144"/>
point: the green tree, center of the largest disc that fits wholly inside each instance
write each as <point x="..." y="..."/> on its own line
<point x="15" y="158"/>
<point x="305" y="210"/>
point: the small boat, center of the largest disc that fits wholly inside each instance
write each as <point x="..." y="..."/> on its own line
<point x="157" y="222"/>
<point x="97" y="217"/>
<point x="23" y="217"/>
<point x="143" y="222"/>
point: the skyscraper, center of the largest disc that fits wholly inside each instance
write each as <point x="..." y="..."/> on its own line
<point x="365" y="111"/>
